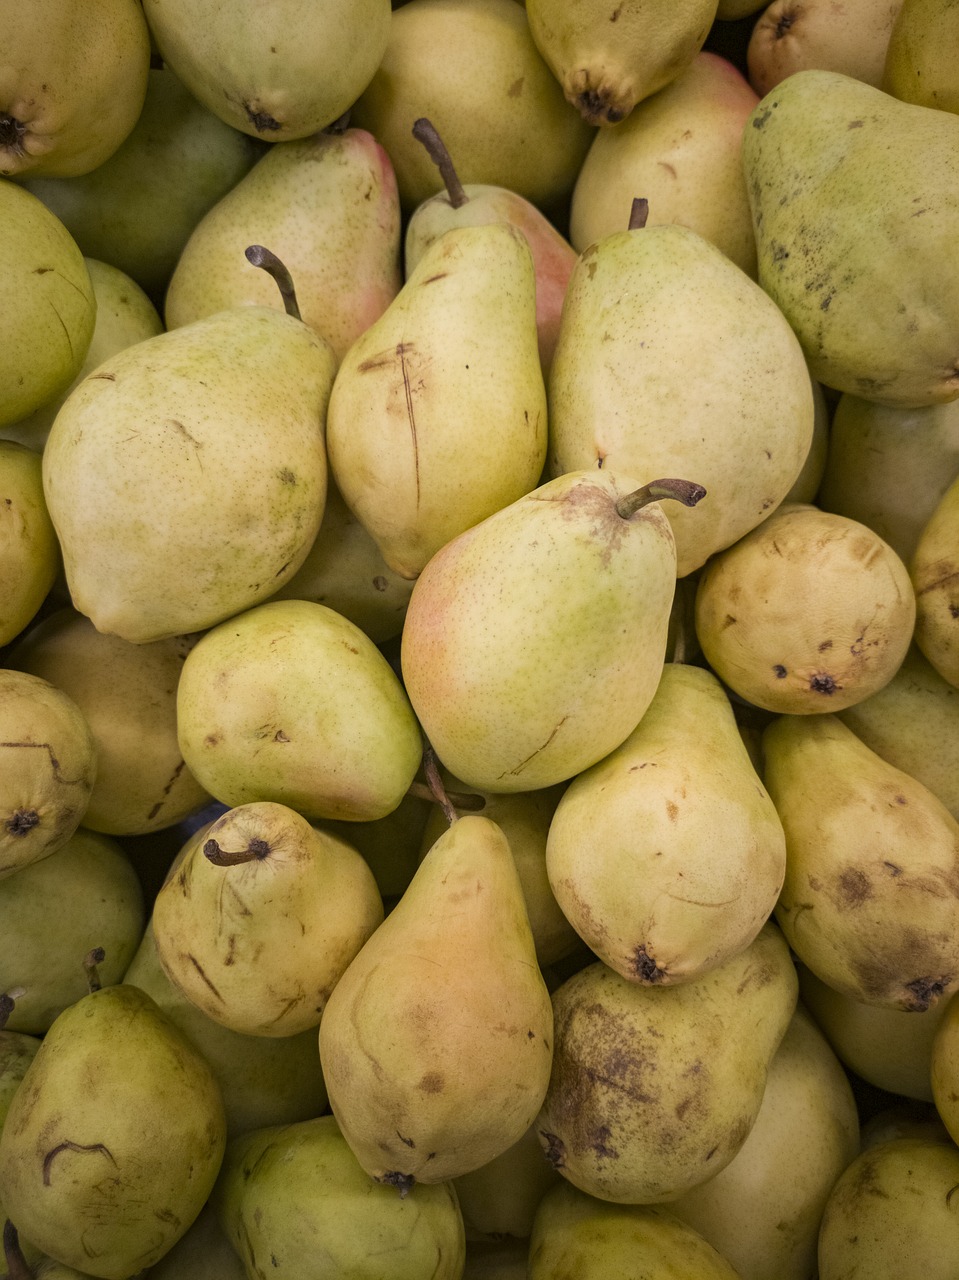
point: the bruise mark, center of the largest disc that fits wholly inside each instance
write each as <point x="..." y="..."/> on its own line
<point x="516" y="88"/>
<point x="401" y="350"/>
<point x="21" y="822"/>
<point x="440" y="275"/>
<point x="52" y="1154"/>
<point x="672" y="810"/>
<point x="407" y="1142"/>
<point x="173" y="422"/>
<point x="403" y="1182"/>
<point x="854" y="886"/>
<point x="199" y="968"/>
<point x="261" y="121"/>
<point x="924" y="992"/>
<point x="105" y="377"/>
<point x="554" y="1148"/>
<point x="432" y="1082"/>
<point x="824" y="683"/>
<point x="166" y="791"/>
<point x="779" y="671"/>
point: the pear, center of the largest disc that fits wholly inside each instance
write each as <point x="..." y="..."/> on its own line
<point x="806" y="485"/>
<point x="655" y="1089"/>
<point x="290" y="702"/>
<point x="437" y="417"/>
<point x="113" y="1141"/>
<point x="261" y="918"/>
<point x="867" y="293"/>
<point x="327" y="206"/>
<point x="392" y="844"/>
<point x="534" y="642"/>
<point x="471" y="66"/>
<point x="681" y="151"/>
<point x="671" y="360"/>
<point x="74" y="80"/>
<point x="202" y="486"/>
<point x="17" y="1051"/>
<point x="809" y="612"/>
<point x="607" y="62"/>
<point x="918" y="67"/>
<point x="934" y="569"/>
<point x="499" y="1200"/>
<point x="203" y="1253"/>
<point x="278" y="74"/>
<point x="436" y="1043"/>
<point x="944" y="1069"/>
<point x="29" y="551"/>
<point x="668" y="855"/>
<point x="903" y="1119"/>
<point x="49" y="759"/>
<point x="870" y="901"/>
<point x="49" y="306"/>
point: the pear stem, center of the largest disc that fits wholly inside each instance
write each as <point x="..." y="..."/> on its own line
<point x="261" y="257"/>
<point x="17" y="1266"/>
<point x="468" y="800"/>
<point x="684" y="491"/>
<point x="425" y="132"/>
<point x="432" y="770"/>
<point x="90" y="962"/>
<point x="255" y="851"/>
<point x="638" y="213"/>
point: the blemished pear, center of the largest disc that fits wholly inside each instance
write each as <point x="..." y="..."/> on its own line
<point x="436" y="1043"/>
<point x="933" y="569"/>
<point x="918" y="66"/>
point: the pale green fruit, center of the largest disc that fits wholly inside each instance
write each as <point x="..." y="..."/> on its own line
<point x="668" y="855"/>
<point x="607" y="63"/>
<point x="49" y="767"/>
<point x="74" y="78"/>
<point x="327" y="206"/>
<point x="264" y="1080"/>
<point x="203" y="1253"/>
<point x="261" y="917"/>
<point x="871" y="893"/>
<point x="29" y="551"/>
<point x="137" y="209"/>
<point x="202" y="487"/>
<point x="870" y="295"/>
<point x="295" y="1201"/>
<point x="275" y="73"/>
<point x="392" y="844"/>
<point x="91" y="889"/>
<point x="944" y="1069"/>
<point x="577" y="1235"/>
<point x="293" y="703"/>
<point x="49" y="307"/>
<point x="436" y="1042"/>
<point x="806" y="485"/>
<point x="809" y="612"/>
<point x="127" y="695"/>
<point x="893" y="1213"/>
<point x="471" y="66"/>
<point x="672" y="361"/>
<point x="580" y="595"/>
<point x="437" y="416"/>
<point x="762" y="1211"/>
<point x="934" y="567"/>
<point x="919" y="66"/>
<point x="681" y="150"/>
<point x="655" y="1089"/>
<point x="500" y="1198"/>
<point x="114" y="1139"/>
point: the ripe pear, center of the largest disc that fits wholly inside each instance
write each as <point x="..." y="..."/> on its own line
<point x="203" y="1253"/>
<point x="870" y="901"/>
<point x="919" y="67"/>
<point x="934" y="568"/>
<point x="29" y="551"/>
<point x="872" y="299"/>
<point x="944" y="1069"/>
<point x="437" y="417"/>
<point x="681" y="151"/>
<point x="48" y="305"/>
<point x="607" y="62"/>
<point x="534" y="642"/>
<point x="668" y="855"/>
<point x="655" y="1089"/>
<point x="202" y="486"/>
<point x="113" y="1141"/>
<point x="278" y="73"/>
<point x="436" y="1043"/>
<point x="499" y="1199"/>
<point x="74" y="79"/>
<point x="290" y="702"/>
<point x="671" y="361"/>
<point x="809" y="612"/>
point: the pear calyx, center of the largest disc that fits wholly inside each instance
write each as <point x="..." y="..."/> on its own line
<point x="256" y="851"/>
<point x="12" y="131"/>
<point x="259" y="256"/>
<point x="424" y="131"/>
<point x="402" y="1181"/>
<point x="685" y="491"/>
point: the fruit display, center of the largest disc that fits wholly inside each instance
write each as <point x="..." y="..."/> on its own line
<point x="479" y="667"/>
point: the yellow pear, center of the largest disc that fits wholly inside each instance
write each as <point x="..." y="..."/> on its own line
<point x="919" y="65"/>
<point x="29" y="551"/>
<point x="935" y="571"/>
<point x="944" y="1069"/>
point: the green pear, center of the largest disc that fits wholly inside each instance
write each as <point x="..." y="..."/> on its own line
<point x="806" y="485"/>
<point x="392" y="844"/>
<point x="291" y="702"/>
<point x="870" y="297"/>
<point x="137" y="209"/>
<point x="471" y="66"/>
<point x="918" y="66"/>
<point x="276" y="74"/>
<point x="606" y="62"/>
<point x="870" y="902"/>
<point x="113" y="1141"/>
<point x="203" y="1253"/>
<point x="892" y="1213"/>
<point x="655" y="1089"/>
<point x="74" y="79"/>
<point x="534" y="642"/>
<point x="944" y="1069"/>
<point x="809" y="612"/>
<point x="671" y="361"/>
<point x="202" y="487"/>
<point x="327" y="206"/>
<point x="437" y="417"/>
<point x="499" y="1200"/>
<point x="29" y="551"/>
<point x="49" y="306"/>
<point x="762" y="1211"/>
<point x="680" y="150"/>
<point x="934" y="571"/>
<point x="668" y="855"/>
<point x="436" y="1042"/>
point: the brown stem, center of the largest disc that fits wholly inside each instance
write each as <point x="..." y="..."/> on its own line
<point x="425" y="132"/>
<point x="261" y="257"/>
<point x="467" y="800"/>
<point x="432" y="770"/>
<point x="90" y="962"/>
<point x="638" y="213"/>
<point x="684" y="491"/>
<point x="255" y="851"/>
<point x="17" y="1266"/>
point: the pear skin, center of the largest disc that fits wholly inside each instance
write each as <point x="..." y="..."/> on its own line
<point x="29" y="551"/>
<point x="918" y="66"/>
<point x="934" y="568"/>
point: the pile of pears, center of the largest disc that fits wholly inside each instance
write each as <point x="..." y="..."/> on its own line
<point x="479" y="640"/>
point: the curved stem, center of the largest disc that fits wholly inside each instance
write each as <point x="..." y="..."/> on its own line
<point x="432" y="770"/>
<point x="468" y="800"/>
<point x="261" y="257"/>
<point x="255" y="851"/>
<point x="425" y="132"/>
<point x="684" y="491"/>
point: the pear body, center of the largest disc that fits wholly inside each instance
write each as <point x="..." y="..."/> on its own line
<point x="933" y="568"/>
<point x="918" y="67"/>
<point x="436" y="1043"/>
<point x="944" y="1069"/>
<point x="203" y="1253"/>
<point x="29" y="551"/>
<point x="499" y="1199"/>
